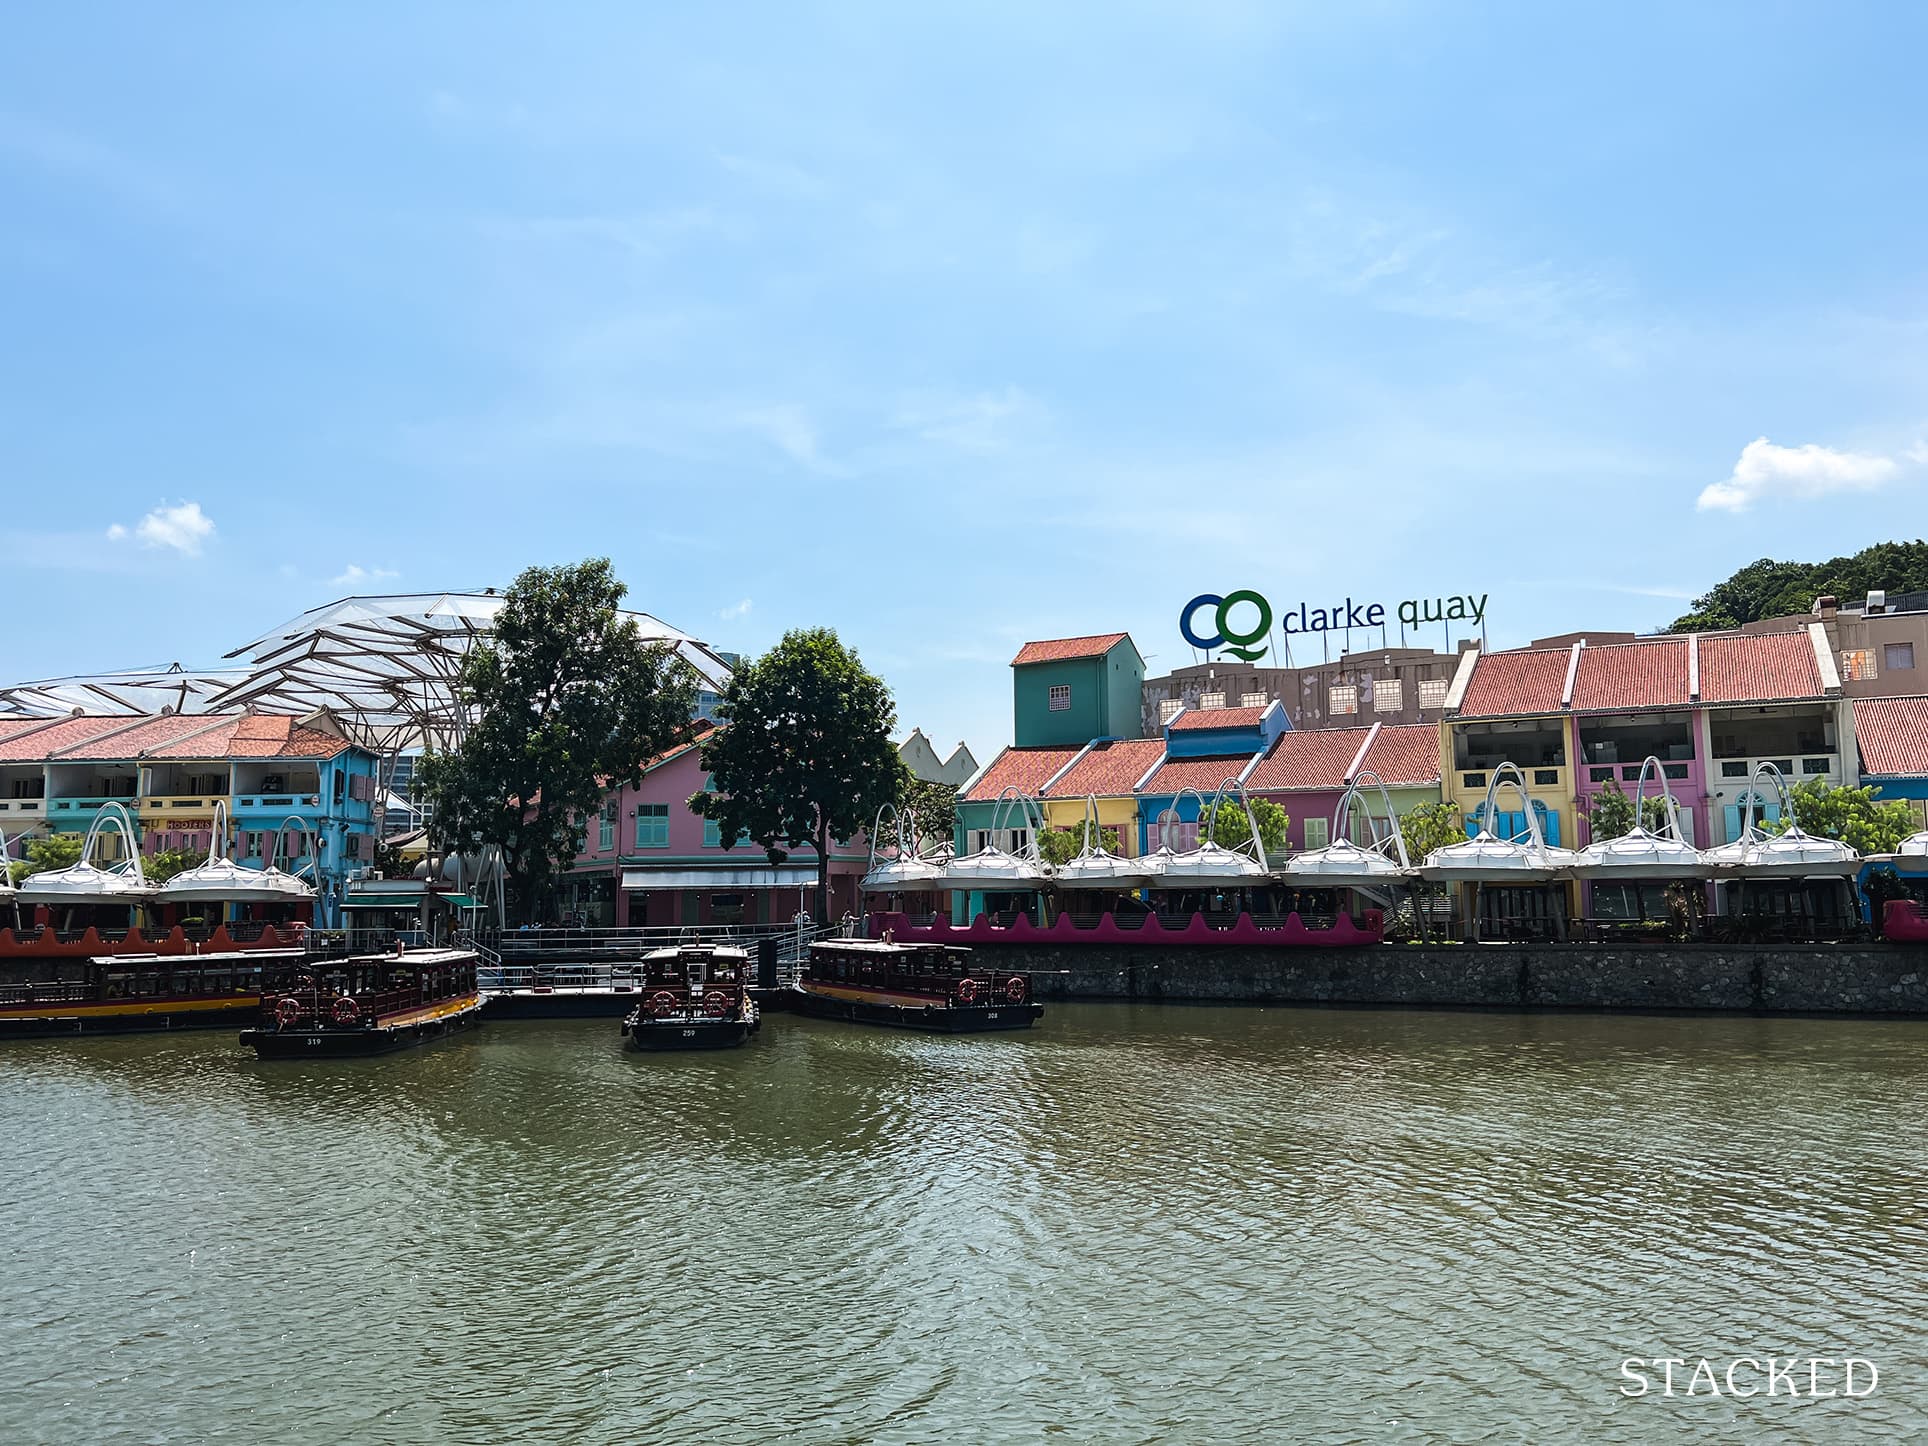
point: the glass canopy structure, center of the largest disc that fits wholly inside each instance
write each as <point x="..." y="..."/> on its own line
<point x="383" y="668"/>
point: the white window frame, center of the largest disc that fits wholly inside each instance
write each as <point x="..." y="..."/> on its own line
<point x="1388" y="695"/>
<point x="1342" y="700"/>
<point x="1433" y="691"/>
<point x="1058" y="700"/>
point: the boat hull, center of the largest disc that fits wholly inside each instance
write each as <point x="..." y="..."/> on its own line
<point x="927" y="1018"/>
<point x="384" y="1037"/>
<point x="657" y="1036"/>
<point x="124" y="1016"/>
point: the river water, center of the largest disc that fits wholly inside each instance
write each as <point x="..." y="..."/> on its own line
<point x="1137" y="1223"/>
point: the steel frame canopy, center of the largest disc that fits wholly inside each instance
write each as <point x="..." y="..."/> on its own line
<point x="385" y="667"/>
<point x="135" y="690"/>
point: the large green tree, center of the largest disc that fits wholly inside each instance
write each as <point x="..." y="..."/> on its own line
<point x="1852" y="815"/>
<point x="1059" y="846"/>
<point x="933" y="804"/>
<point x="569" y="701"/>
<point x="804" y="755"/>
<point x="1770" y="589"/>
<point x="1430" y="826"/>
<point x="1611" y="815"/>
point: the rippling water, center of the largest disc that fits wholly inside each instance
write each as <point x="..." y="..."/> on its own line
<point x="1134" y="1224"/>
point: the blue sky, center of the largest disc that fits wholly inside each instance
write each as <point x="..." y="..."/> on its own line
<point x="949" y="327"/>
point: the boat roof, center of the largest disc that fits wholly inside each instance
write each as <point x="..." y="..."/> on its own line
<point x="685" y="951"/>
<point x="885" y="946"/>
<point x="225" y="956"/>
<point x="412" y="956"/>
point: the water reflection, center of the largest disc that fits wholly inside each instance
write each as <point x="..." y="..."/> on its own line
<point x="1135" y="1223"/>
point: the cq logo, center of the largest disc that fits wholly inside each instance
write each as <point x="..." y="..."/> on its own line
<point x="1236" y="642"/>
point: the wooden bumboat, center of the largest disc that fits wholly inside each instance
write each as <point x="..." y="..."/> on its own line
<point x="135" y="993"/>
<point x="911" y="986"/>
<point x="693" y="996"/>
<point x="366" y="1004"/>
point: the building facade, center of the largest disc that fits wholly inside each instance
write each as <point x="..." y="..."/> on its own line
<point x="1307" y="771"/>
<point x="1386" y="685"/>
<point x="648" y="861"/>
<point x="287" y="789"/>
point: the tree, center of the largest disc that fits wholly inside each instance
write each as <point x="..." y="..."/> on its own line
<point x="933" y="804"/>
<point x="1769" y="589"/>
<point x="161" y="867"/>
<point x="1611" y="815"/>
<point x="569" y="702"/>
<point x="55" y="851"/>
<point x="804" y="755"/>
<point x="1229" y="826"/>
<point x="1058" y="846"/>
<point x="1431" y="826"/>
<point x="1853" y="815"/>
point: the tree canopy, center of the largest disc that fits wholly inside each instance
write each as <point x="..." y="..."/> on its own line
<point x="1431" y="826"/>
<point x="804" y="754"/>
<point x="55" y="851"/>
<point x="1852" y="815"/>
<point x="570" y="701"/>
<point x="933" y="804"/>
<point x="1769" y="589"/>
<point x="1061" y="845"/>
<point x="1228" y="827"/>
<point x="1611" y="815"/>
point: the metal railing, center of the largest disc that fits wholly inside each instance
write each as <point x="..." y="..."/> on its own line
<point x="502" y="968"/>
<point x="582" y="945"/>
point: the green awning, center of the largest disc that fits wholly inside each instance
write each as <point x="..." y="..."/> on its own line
<point x="381" y="901"/>
<point x="459" y="901"/>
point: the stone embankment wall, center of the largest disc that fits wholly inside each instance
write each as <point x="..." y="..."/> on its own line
<point x="1873" y="979"/>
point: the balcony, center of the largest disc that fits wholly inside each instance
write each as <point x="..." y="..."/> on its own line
<point x="290" y="801"/>
<point x="172" y="803"/>
<point x="79" y="811"/>
<point x="14" y="809"/>
<point x="1551" y="776"/>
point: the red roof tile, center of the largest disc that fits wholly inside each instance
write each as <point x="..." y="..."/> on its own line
<point x="1025" y="769"/>
<point x="1314" y="758"/>
<point x="1056" y="650"/>
<point x="1218" y="718"/>
<point x="1892" y="734"/>
<point x="1110" y="769"/>
<point x="1406" y="753"/>
<point x="1203" y="774"/>
<point x="153" y="733"/>
<point x="1616" y="677"/>
<point x="36" y="747"/>
<point x="264" y="736"/>
<point x="1525" y="681"/>
<point x="1758" y="667"/>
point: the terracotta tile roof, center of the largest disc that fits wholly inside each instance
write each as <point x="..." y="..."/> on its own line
<point x="1110" y="770"/>
<point x="1758" y="667"/>
<point x="1616" y="677"/>
<point x="1218" y="718"/>
<point x="261" y="736"/>
<point x="36" y="747"/>
<point x="1406" y="753"/>
<point x="14" y="727"/>
<point x="144" y="737"/>
<point x="1026" y="769"/>
<point x="1204" y="774"/>
<point x="698" y="736"/>
<point x="1314" y="758"/>
<point x="1056" y="650"/>
<point x="1892" y="734"/>
<point x="1524" y="681"/>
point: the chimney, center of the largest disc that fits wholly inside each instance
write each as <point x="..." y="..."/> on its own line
<point x="1825" y="607"/>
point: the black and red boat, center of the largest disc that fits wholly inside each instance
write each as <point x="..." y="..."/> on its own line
<point x="693" y="996"/>
<point x="932" y="987"/>
<point x="366" y="1004"/>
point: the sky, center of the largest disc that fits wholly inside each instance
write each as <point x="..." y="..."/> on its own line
<point x="948" y="326"/>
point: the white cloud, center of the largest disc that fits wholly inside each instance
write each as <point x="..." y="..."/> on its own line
<point x="982" y="422"/>
<point x="355" y="573"/>
<point x="1765" y="470"/>
<point x="789" y="429"/>
<point x="182" y="527"/>
<point x="735" y="611"/>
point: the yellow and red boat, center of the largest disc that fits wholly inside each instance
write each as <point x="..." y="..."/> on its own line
<point x="930" y="987"/>
<point x="365" y="1004"/>
<point x="133" y="991"/>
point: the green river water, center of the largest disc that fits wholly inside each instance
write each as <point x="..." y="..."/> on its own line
<point x="1134" y="1224"/>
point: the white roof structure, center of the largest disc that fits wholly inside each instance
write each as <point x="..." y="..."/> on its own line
<point x="385" y="667"/>
<point x="137" y="690"/>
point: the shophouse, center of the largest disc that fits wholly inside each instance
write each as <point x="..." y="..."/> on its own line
<point x="287" y="789"/>
<point x="649" y="861"/>
<point x="1307" y="771"/>
<point x="1107" y="771"/>
<point x="1072" y="690"/>
<point x="1581" y="717"/>
<point x="1879" y="642"/>
<point x="921" y="757"/>
<point x="1203" y="750"/>
<point x="1891" y="737"/>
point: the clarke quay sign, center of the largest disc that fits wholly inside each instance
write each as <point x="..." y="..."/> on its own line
<point x="1237" y="636"/>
